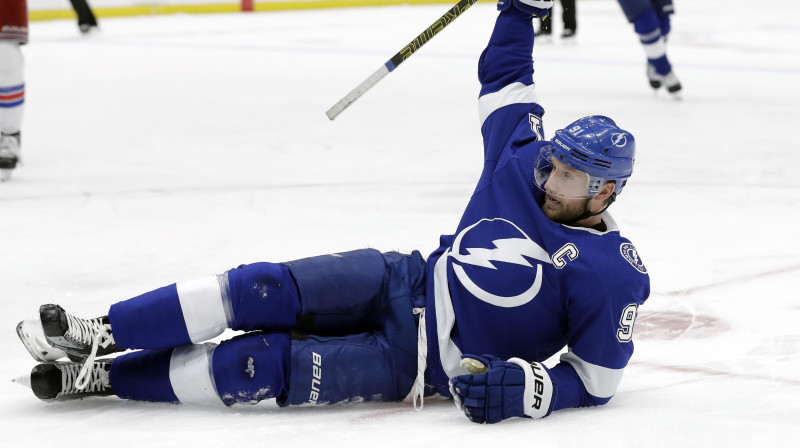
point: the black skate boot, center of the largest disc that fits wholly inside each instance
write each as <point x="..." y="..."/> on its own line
<point x="669" y="81"/>
<point x="653" y="77"/>
<point x="672" y="84"/>
<point x="59" y="381"/>
<point x="9" y="155"/>
<point x="79" y="338"/>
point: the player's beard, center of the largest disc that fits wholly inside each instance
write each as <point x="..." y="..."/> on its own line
<point x="563" y="211"/>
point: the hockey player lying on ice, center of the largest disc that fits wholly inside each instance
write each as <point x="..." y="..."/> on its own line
<point x="536" y="264"/>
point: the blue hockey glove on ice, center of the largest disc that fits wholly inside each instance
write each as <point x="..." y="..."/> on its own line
<point x="539" y="8"/>
<point x="496" y="390"/>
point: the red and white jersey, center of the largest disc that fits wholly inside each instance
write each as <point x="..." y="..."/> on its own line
<point x="14" y="20"/>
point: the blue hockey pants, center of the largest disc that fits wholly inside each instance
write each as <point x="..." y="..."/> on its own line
<point x="327" y="329"/>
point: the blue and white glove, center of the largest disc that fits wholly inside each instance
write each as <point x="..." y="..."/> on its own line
<point x="496" y="390"/>
<point x="538" y="8"/>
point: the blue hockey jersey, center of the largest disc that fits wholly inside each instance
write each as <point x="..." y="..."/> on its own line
<point x="512" y="283"/>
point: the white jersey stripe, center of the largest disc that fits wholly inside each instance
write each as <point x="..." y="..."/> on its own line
<point x="599" y="381"/>
<point x="449" y="353"/>
<point x="513" y="93"/>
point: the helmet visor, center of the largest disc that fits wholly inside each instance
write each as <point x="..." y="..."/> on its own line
<point x="559" y="180"/>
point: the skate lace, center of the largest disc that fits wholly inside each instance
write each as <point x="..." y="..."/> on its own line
<point x="97" y="381"/>
<point x="418" y="390"/>
<point x="88" y="331"/>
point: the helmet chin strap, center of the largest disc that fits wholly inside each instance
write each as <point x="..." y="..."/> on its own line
<point x="588" y="214"/>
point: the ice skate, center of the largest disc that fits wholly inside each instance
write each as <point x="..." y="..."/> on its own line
<point x="669" y="81"/>
<point x="32" y="336"/>
<point x="9" y="155"/>
<point x="672" y="84"/>
<point x="58" y="381"/>
<point x="81" y="338"/>
<point x="653" y="77"/>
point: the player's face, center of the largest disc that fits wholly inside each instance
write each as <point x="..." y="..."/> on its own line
<point x="565" y="193"/>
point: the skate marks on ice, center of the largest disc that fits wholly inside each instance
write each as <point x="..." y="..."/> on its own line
<point x="767" y="355"/>
<point x="686" y="322"/>
<point x="670" y="325"/>
<point x="722" y="370"/>
<point x="734" y="281"/>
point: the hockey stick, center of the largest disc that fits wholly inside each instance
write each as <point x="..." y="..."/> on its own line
<point x="401" y="56"/>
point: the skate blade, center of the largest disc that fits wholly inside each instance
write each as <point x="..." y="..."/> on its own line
<point x="5" y="175"/>
<point x="32" y="336"/>
<point x="24" y="381"/>
<point x="676" y="96"/>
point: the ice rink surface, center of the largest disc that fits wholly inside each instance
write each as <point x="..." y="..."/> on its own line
<point x="172" y="147"/>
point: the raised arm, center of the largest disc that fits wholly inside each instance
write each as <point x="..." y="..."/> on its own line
<point x="505" y="71"/>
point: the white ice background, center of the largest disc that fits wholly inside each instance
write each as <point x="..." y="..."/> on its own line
<point x="167" y="148"/>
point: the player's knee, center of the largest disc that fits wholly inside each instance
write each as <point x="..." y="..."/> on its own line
<point x="261" y="296"/>
<point x="251" y="367"/>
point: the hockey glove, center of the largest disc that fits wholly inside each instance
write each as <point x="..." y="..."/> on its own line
<point x="538" y="8"/>
<point x="496" y="390"/>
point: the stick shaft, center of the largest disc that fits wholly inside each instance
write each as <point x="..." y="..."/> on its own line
<point x="401" y="56"/>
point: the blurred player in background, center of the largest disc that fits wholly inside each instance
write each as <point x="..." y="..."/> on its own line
<point x="86" y="19"/>
<point x="651" y="21"/>
<point x="535" y="265"/>
<point x="13" y="33"/>
<point x="568" y="17"/>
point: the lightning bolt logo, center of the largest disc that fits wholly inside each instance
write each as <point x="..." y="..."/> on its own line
<point x="619" y="140"/>
<point x="508" y="250"/>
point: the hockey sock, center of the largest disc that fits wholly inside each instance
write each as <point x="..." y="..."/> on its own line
<point x="143" y="375"/>
<point x="647" y="27"/>
<point x="246" y="369"/>
<point x="251" y="297"/>
<point x="178" y="314"/>
<point x="12" y="87"/>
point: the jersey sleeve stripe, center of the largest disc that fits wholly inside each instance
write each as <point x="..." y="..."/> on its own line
<point x="599" y="381"/>
<point x="513" y="93"/>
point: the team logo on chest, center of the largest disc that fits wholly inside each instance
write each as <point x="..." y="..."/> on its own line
<point x="493" y="261"/>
